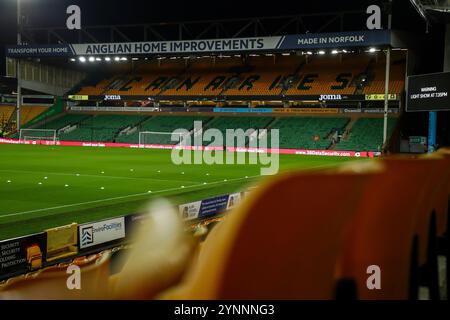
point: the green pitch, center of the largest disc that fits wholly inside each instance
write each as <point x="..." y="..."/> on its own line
<point x="43" y="187"/>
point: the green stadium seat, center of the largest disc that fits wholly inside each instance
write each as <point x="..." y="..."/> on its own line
<point x="366" y="135"/>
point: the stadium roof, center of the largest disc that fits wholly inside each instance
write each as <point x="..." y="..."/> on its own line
<point x="433" y="10"/>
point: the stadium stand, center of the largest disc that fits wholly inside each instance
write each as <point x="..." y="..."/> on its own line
<point x="308" y="132"/>
<point x="161" y="124"/>
<point x="376" y="75"/>
<point x="64" y="121"/>
<point x="100" y="128"/>
<point x="295" y="132"/>
<point x="28" y="113"/>
<point x="244" y="123"/>
<point x="366" y="135"/>
<point x="6" y="113"/>
<point x="256" y="76"/>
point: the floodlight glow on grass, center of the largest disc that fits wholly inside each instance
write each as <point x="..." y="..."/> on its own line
<point x="65" y="161"/>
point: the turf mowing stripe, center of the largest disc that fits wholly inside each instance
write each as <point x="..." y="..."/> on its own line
<point x="95" y="176"/>
<point x="123" y="197"/>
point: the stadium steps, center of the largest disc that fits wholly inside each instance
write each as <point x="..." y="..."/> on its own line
<point x="244" y="122"/>
<point x="300" y="132"/>
<point x="135" y="126"/>
<point x="58" y="122"/>
<point x="163" y="124"/>
<point x="349" y="127"/>
<point x="366" y="135"/>
<point x="100" y="128"/>
<point x="295" y="73"/>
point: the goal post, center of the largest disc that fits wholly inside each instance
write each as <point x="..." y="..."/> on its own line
<point x="153" y="137"/>
<point x="38" y="134"/>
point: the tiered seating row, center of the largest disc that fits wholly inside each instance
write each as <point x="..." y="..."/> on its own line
<point x="258" y="77"/>
<point x="308" y="133"/>
<point x="366" y="135"/>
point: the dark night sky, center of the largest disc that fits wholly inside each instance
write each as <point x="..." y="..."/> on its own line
<point x="95" y="12"/>
<point x="104" y="12"/>
<point x="52" y="13"/>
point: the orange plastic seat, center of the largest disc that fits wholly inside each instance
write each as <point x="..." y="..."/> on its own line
<point x="51" y="283"/>
<point x="282" y="242"/>
<point x="383" y="230"/>
<point x="443" y="196"/>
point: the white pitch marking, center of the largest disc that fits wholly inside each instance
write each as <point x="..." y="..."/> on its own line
<point x="127" y="196"/>
<point x="100" y="176"/>
<point x="109" y="199"/>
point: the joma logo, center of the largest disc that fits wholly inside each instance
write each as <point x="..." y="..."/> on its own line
<point x="113" y="97"/>
<point x="325" y="97"/>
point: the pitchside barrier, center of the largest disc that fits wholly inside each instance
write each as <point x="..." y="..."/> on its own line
<point x="331" y="153"/>
<point x="63" y="244"/>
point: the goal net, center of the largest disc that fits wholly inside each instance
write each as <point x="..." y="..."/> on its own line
<point x="37" y="135"/>
<point x="150" y="137"/>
